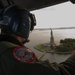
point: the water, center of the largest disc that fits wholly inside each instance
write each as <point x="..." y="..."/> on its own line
<point x="43" y="36"/>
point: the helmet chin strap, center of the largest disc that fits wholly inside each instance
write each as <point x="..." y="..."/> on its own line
<point x="26" y="41"/>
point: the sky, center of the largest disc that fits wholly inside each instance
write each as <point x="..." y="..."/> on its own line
<point x="60" y="15"/>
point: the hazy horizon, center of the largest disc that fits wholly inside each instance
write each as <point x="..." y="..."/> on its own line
<point x="60" y="15"/>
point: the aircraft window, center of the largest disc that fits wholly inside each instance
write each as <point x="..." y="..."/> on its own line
<point x="53" y="24"/>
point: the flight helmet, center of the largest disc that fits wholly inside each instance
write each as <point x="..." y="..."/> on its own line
<point x="17" y="20"/>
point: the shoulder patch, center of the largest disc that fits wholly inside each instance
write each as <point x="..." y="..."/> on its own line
<point x="24" y="54"/>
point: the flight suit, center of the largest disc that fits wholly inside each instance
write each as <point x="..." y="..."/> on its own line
<point x="15" y="61"/>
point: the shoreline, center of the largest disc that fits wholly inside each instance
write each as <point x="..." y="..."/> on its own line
<point x="52" y="51"/>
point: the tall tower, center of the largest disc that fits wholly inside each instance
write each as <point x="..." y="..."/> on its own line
<point x="52" y="40"/>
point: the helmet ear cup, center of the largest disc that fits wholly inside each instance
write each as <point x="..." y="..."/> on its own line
<point x="33" y="21"/>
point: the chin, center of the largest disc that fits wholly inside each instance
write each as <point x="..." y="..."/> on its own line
<point x="26" y="41"/>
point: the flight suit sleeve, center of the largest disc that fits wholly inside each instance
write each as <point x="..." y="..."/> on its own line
<point x="44" y="67"/>
<point x="33" y="69"/>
